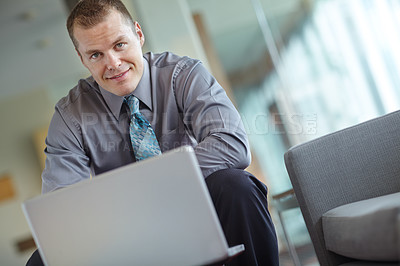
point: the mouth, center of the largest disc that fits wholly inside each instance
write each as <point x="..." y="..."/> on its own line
<point x="119" y="76"/>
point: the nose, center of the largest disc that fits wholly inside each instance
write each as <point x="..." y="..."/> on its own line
<point x="113" y="62"/>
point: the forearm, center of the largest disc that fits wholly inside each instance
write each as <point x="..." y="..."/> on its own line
<point x="221" y="151"/>
<point x="66" y="160"/>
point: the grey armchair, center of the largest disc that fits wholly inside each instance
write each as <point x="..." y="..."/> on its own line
<point x="348" y="187"/>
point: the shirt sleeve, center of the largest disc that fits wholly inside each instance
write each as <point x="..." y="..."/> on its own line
<point x="211" y="118"/>
<point x="66" y="160"/>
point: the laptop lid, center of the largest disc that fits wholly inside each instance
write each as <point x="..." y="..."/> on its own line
<point x="153" y="212"/>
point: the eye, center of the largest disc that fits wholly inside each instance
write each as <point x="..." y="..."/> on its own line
<point x="95" y="55"/>
<point x="120" y="45"/>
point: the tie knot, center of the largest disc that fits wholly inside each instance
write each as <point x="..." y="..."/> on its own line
<point x="133" y="103"/>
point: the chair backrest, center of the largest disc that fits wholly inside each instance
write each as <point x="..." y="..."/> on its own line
<point x="349" y="165"/>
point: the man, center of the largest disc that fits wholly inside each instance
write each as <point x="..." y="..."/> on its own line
<point x="178" y="103"/>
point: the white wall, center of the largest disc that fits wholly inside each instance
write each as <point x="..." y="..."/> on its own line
<point x="20" y="116"/>
<point x="168" y="26"/>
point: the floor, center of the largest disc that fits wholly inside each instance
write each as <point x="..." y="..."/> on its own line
<point x="306" y="255"/>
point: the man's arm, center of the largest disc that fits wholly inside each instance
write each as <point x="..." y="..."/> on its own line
<point x="66" y="161"/>
<point x="212" y="120"/>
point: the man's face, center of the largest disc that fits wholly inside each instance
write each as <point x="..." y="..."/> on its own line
<point x="112" y="52"/>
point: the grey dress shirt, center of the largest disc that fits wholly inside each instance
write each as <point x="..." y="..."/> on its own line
<point x="185" y="105"/>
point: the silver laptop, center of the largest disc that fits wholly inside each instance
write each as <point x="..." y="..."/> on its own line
<point x="154" y="212"/>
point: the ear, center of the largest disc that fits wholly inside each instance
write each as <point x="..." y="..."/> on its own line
<point x="139" y="33"/>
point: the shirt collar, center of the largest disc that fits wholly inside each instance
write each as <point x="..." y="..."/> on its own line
<point x="143" y="89"/>
<point x="113" y="101"/>
<point x="142" y="92"/>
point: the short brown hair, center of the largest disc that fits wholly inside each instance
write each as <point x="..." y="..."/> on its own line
<point x="89" y="13"/>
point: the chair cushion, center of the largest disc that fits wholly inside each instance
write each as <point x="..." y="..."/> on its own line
<point x="365" y="230"/>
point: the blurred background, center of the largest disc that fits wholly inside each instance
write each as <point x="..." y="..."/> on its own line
<point x="295" y="69"/>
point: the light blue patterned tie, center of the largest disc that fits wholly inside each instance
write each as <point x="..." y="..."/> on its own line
<point x="144" y="141"/>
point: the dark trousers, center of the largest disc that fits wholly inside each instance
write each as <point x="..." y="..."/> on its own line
<point x="240" y="200"/>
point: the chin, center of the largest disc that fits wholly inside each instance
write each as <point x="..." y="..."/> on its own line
<point x="117" y="90"/>
<point x="124" y="92"/>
